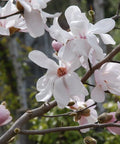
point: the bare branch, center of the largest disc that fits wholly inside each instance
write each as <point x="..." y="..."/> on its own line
<point x="70" y="128"/>
<point x="97" y="66"/>
<point x="16" y="127"/>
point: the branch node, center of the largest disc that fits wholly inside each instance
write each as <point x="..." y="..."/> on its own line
<point x="16" y="130"/>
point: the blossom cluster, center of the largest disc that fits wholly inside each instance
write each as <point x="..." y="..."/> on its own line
<point x="74" y="48"/>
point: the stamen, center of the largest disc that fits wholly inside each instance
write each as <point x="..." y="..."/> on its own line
<point x="61" y="71"/>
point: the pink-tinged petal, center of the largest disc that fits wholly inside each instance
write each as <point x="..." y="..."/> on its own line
<point x="61" y="93"/>
<point x="93" y="116"/>
<point x="6" y="121"/>
<point x="83" y="121"/>
<point x="107" y="39"/>
<point x="114" y="130"/>
<point x="34" y="23"/>
<point x="79" y="27"/>
<point x="42" y="60"/>
<point x="75" y="86"/>
<point x="103" y="26"/>
<point x="4" y="115"/>
<point x="97" y="94"/>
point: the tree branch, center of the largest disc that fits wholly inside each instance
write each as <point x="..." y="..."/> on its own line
<point x="70" y="128"/>
<point x="24" y="119"/>
<point x="98" y="65"/>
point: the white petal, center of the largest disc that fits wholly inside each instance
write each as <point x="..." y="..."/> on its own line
<point x="75" y="86"/>
<point x="42" y="60"/>
<point x="92" y="40"/>
<point x="97" y="94"/>
<point x="4" y="31"/>
<point x="26" y="6"/>
<point x="79" y="27"/>
<point x="103" y="26"/>
<point x="41" y="83"/>
<point x="61" y="93"/>
<point x="34" y="23"/>
<point x="58" y="33"/>
<point x="43" y="96"/>
<point x="107" y="39"/>
<point x="46" y="92"/>
<point x="73" y="13"/>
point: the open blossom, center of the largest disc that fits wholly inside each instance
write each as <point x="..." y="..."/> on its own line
<point x="34" y="17"/>
<point x="5" y="117"/>
<point x="107" y="78"/>
<point x="88" y="116"/>
<point x="82" y="34"/>
<point x="60" y="80"/>
<point x="13" y="23"/>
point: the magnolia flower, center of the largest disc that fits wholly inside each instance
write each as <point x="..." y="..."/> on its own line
<point x="60" y="80"/>
<point x="13" y="23"/>
<point x="111" y="118"/>
<point x="5" y="117"/>
<point x="82" y="35"/>
<point x="107" y="78"/>
<point x="34" y="17"/>
<point x="87" y="116"/>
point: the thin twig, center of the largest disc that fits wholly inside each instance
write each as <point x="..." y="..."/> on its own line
<point x="70" y="128"/>
<point x="69" y="113"/>
<point x="4" y="17"/>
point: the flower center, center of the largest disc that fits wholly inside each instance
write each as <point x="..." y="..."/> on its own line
<point x="61" y="71"/>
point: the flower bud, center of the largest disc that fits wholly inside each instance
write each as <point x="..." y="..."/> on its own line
<point x="19" y="6"/>
<point x="117" y="114"/>
<point x="71" y="103"/>
<point x="56" y="45"/>
<point x="89" y="140"/>
<point x="16" y="130"/>
<point x="104" y="118"/>
<point x="91" y="12"/>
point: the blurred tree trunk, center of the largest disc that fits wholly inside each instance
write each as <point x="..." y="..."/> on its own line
<point x="15" y="51"/>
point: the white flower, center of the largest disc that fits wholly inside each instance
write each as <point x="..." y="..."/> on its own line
<point x="13" y="23"/>
<point x="88" y="116"/>
<point x="82" y="35"/>
<point x="60" y="80"/>
<point x="34" y="17"/>
<point x="107" y="78"/>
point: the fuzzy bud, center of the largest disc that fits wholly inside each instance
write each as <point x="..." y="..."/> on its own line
<point x="16" y="130"/>
<point x="91" y="12"/>
<point x="104" y="118"/>
<point x="90" y="140"/>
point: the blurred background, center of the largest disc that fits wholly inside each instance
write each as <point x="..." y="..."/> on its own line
<point x="18" y="76"/>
